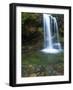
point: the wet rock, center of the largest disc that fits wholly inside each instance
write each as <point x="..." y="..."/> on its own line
<point x="33" y="75"/>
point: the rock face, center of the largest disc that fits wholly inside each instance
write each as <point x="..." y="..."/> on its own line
<point x="41" y="70"/>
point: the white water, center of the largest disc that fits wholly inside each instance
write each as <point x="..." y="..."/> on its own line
<point x="49" y="45"/>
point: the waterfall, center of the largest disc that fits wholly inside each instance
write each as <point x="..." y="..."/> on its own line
<point x="47" y="32"/>
<point x="51" y="35"/>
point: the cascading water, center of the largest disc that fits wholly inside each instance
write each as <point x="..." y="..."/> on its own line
<point x="51" y="35"/>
